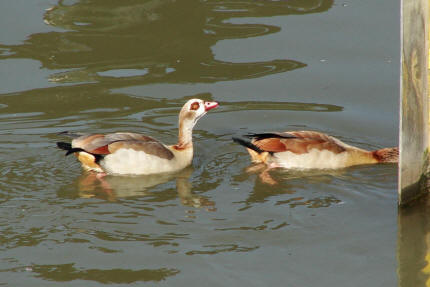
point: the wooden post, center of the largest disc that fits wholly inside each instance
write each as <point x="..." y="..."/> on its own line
<point x="414" y="118"/>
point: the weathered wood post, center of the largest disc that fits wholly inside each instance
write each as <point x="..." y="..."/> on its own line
<point x="414" y="118"/>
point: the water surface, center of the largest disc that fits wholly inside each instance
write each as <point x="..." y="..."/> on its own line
<point x="110" y="66"/>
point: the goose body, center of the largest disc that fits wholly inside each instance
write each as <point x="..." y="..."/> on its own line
<point x="310" y="150"/>
<point x="134" y="153"/>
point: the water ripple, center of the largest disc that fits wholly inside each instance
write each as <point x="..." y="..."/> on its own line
<point x="221" y="248"/>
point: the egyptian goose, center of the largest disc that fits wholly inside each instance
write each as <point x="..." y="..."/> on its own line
<point x="310" y="150"/>
<point x="133" y="153"/>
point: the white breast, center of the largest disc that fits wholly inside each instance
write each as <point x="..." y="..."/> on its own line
<point x="130" y="161"/>
<point x="314" y="159"/>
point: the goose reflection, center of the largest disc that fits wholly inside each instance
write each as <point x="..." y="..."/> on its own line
<point x="286" y="186"/>
<point x="114" y="188"/>
<point x="275" y="176"/>
<point x="281" y="177"/>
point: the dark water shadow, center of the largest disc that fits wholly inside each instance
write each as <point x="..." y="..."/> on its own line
<point x="133" y="42"/>
<point x="68" y="273"/>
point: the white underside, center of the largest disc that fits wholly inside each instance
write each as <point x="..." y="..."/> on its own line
<point x="88" y="168"/>
<point x="314" y="159"/>
<point x="129" y="161"/>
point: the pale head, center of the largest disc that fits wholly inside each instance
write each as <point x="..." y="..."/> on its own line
<point x="194" y="109"/>
<point x="190" y="113"/>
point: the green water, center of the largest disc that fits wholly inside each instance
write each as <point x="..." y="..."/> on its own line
<point x="108" y="66"/>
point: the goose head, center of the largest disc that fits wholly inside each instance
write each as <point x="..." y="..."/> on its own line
<point x="190" y="113"/>
<point x="193" y="110"/>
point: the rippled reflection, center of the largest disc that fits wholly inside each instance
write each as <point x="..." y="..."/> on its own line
<point x="220" y="248"/>
<point x="114" y="188"/>
<point x="288" y="185"/>
<point x="282" y="106"/>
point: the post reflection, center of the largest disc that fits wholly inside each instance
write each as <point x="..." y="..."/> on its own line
<point x="115" y="188"/>
<point x="413" y="244"/>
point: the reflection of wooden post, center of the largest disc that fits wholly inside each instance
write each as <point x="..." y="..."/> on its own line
<point x="413" y="245"/>
<point x="414" y="100"/>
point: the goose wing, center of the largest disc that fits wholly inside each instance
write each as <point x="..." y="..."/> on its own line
<point x="298" y="142"/>
<point x="104" y="144"/>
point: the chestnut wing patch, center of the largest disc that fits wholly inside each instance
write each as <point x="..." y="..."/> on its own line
<point x="100" y="150"/>
<point x="270" y="145"/>
<point x="300" y="143"/>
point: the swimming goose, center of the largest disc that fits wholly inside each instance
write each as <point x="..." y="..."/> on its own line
<point x="310" y="149"/>
<point x="134" y="153"/>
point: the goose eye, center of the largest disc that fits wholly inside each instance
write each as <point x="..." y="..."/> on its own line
<point x="195" y="106"/>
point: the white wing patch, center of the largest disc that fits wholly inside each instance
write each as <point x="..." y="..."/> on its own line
<point x="130" y="161"/>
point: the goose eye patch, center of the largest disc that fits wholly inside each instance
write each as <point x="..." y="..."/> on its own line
<point x="195" y="106"/>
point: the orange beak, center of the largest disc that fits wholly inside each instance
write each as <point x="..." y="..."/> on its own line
<point x="210" y="105"/>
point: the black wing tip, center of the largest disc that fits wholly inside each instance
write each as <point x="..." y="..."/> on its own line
<point x="68" y="147"/>
<point x="247" y="144"/>
<point x="64" y="146"/>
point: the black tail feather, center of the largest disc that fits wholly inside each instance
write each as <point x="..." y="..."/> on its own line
<point x="64" y="146"/>
<point x="247" y="144"/>
<point x="271" y="135"/>
<point x="68" y="148"/>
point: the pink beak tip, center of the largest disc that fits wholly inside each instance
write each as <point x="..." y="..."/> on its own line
<point x="210" y="105"/>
